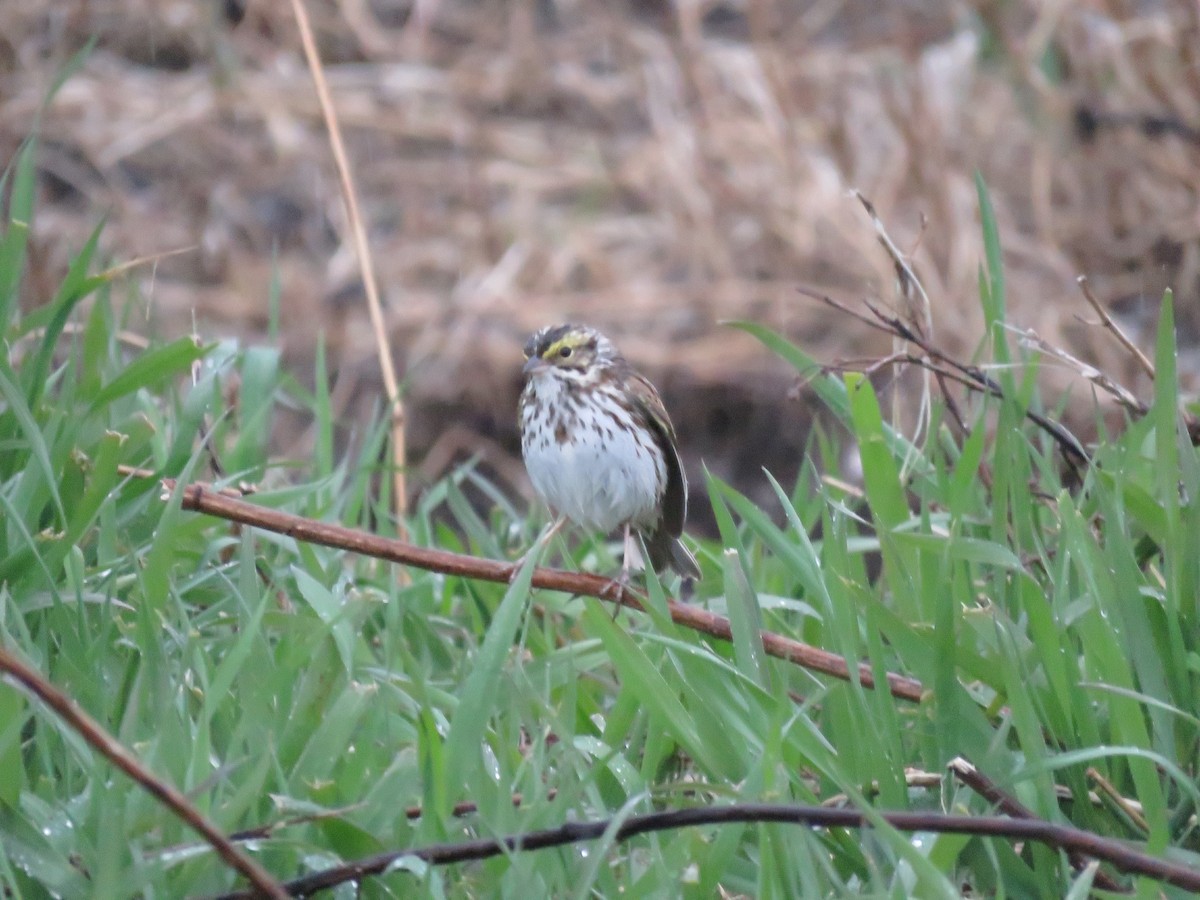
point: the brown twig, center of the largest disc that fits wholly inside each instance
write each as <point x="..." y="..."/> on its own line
<point x="965" y="771"/>
<point x="1131" y="808"/>
<point x="116" y="753"/>
<point x="1063" y="837"/>
<point x="201" y="498"/>
<point x="363" y="250"/>
<point x="1107" y="321"/>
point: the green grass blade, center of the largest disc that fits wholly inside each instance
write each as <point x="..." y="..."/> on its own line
<point x="880" y="472"/>
<point x="152" y="370"/>
<point x="640" y="676"/>
<point x="75" y="287"/>
<point x="16" y="229"/>
<point x="992" y="285"/>
<point x="745" y="618"/>
<point x="27" y="430"/>
<point x="481" y="690"/>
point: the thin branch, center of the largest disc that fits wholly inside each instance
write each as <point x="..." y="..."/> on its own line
<point x="1131" y="808"/>
<point x="841" y="307"/>
<point x="920" y="316"/>
<point x="1118" y="392"/>
<point x="202" y="498"/>
<point x="1063" y="837"/>
<point x="966" y="772"/>
<point x="116" y="753"/>
<point x="362" y="248"/>
<point x="1107" y="320"/>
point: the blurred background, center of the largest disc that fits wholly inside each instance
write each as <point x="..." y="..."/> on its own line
<point x="650" y="167"/>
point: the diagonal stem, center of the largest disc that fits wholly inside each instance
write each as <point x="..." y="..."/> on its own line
<point x="206" y="499"/>
<point x="116" y="753"/>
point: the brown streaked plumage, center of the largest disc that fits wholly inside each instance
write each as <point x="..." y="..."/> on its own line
<point x="599" y="445"/>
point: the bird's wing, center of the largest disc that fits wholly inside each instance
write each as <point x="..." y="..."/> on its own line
<point x="674" y="503"/>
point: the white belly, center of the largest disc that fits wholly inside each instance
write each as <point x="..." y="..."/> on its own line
<point x="599" y="478"/>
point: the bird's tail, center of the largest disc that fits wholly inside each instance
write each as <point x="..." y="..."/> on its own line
<point x="665" y="550"/>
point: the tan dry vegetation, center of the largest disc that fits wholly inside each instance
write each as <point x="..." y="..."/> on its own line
<point x="650" y="167"/>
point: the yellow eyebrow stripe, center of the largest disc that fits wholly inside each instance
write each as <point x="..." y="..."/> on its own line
<point x="558" y="345"/>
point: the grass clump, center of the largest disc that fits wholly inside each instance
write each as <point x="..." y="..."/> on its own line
<point x="342" y="710"/>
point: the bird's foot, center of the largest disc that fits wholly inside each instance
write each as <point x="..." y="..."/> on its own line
<point x="618" y="589"/>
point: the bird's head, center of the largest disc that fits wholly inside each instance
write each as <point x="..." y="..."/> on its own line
<point x="569" y="350"/>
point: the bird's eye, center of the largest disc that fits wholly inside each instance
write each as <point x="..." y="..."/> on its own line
<point x="564" y="352"/>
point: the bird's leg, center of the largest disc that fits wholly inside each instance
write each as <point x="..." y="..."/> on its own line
<point x="540" y="544"/>
<point x="617" y="586"/>
<point x="631" y="552"/>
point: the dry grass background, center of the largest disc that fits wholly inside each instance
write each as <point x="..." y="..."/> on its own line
<point x="650" y="167"/>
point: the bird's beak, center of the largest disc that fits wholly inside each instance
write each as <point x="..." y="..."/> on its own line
<point x="534" y="364"/>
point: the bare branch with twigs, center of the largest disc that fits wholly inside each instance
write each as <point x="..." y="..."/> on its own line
<point x="946" y="367"/>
